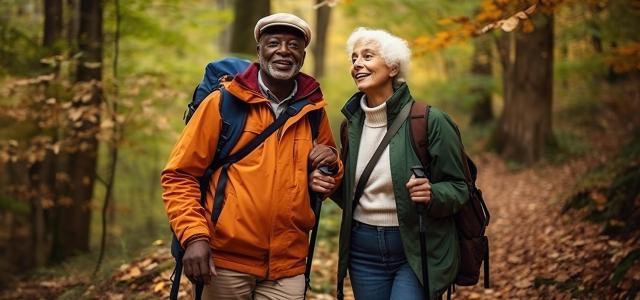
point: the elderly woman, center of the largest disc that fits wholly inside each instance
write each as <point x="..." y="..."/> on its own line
<point x="379" y="235"/>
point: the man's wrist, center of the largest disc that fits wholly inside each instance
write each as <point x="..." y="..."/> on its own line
<point x="194" y="239"/>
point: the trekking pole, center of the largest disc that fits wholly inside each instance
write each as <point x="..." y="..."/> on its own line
<point x="418" y="172"/>
<point x="317" y="207"/>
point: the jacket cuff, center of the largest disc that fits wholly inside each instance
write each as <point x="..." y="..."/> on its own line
<point x="192" y="234"/>
<point x="196" y="238"/>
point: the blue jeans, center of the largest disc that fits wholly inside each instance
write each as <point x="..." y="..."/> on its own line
<point x="378" y="268"/>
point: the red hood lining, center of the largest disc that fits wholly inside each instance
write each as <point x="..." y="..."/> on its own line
<point x="307" y="85"/>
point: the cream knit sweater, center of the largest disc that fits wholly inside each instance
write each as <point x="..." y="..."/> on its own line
<point x="377" y="206"/>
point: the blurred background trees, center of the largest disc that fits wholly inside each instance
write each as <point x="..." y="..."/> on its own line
<point x="524" y="83"/>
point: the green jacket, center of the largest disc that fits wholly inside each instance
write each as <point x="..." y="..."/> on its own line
<point x="449" y="190"/>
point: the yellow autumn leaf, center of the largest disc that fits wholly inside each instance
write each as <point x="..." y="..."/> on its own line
<point x="159" y="286"/>
<point x="445" y="21"/>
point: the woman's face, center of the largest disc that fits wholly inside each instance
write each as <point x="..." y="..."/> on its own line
<point x="369" y="70"/>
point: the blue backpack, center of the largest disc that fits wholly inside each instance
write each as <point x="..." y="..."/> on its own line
<point x="234" y="116"/>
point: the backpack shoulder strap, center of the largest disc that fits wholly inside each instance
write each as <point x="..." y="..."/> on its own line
<point x="315" y="117"/>
<point x="419" y="127"/>
<point x="233" y="117"/>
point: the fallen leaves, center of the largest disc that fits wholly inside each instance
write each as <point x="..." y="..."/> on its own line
<point x="537" y="251"/>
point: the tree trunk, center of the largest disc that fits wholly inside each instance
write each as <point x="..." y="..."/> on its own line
<point x="52" y="24"/>
<point x="72" y="22"/>
<point x="481" y="69"/>
<point x="73" y="210"/>
<point x="17" y="256"/>
<point x="525" y="124"/>
<point x="42" y="180"/>
<point x="224" y="38"/>
<point x="323" y="15"/>
<point x="90" y="41"/>
<point x="246" y="14"/>
<point x="73" y="213"/>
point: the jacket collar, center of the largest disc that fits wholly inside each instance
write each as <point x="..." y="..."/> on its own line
<point x="246" y="87"/>
<point x="395" y="103"/>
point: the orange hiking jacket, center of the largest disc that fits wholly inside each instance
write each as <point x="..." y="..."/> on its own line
<point x="264" y="225"/>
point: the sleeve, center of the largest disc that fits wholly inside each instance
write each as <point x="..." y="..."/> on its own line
<point x="325" y="137"/>
<point x="189" y="158"/>
<point x="448" y="187"/>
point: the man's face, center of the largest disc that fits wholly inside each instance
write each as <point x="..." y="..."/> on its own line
<point x="281" y="54"/>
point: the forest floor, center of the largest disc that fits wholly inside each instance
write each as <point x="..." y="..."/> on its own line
<point x="539" y="250"/>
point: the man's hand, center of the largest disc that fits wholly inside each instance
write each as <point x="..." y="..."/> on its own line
<point x="322" y="155"/>
<point x="198" y="265"/>
<point x="320" y="183"/>
<point x="419" y="189"/>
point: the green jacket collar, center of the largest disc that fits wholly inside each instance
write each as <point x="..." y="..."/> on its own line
<point x="394" y="104"/>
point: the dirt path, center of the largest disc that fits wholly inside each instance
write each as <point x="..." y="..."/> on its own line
<point x="537" y="252"/>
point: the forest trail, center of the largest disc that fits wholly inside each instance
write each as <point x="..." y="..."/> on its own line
<point x="537" y="251"/>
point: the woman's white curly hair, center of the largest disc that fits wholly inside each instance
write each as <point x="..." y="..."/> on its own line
<point x="394" y="50"/>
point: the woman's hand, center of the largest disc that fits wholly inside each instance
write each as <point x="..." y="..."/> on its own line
<point x="419" y="190"/>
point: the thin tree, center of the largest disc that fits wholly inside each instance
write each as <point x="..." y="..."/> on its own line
<point x="323" y="15"/>
<point x="113" y="143"/>
<point x="52" y="24"/>
<point x="246" y="14"/>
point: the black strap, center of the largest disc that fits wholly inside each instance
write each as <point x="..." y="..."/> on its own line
<point x="199" y="290"/>
<point x="175" y="280"/>
<point x="366" y="173"/>
<point x="231" y="159"/>
<point x="288" y="113"/>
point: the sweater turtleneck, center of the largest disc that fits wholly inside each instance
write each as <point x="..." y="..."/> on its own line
<point x="377" y="206"/>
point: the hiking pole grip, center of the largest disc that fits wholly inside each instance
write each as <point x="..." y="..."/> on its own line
<point x="327" y="171"/>
<point x="418" y="172"/>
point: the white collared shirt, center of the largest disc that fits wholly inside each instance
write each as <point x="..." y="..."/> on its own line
<point x="278" y="106"/>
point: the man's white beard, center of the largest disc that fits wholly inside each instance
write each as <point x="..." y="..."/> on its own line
<point x="277" y="74"/>
<point x="283" y="75"/>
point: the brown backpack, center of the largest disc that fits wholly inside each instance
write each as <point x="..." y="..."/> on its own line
<point x="473" y="217"/>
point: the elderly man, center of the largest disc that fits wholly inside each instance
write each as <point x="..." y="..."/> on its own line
<point x="257" y="249"/>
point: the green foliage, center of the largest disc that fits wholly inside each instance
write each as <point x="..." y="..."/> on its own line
<point x="410" y="18"/>
<point x="565" y="145"/>
<point x="476" y="138"/>
<point x="624" y="266"/>
<point x="610" y="192"/>
<point x="619" y="22"/>
<point x="164" y="47"/>
<point x="330" y="224"/>
<point x="455" y="94"/>
<point x="19" y="52"/>
<point x="13" y="205"/>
